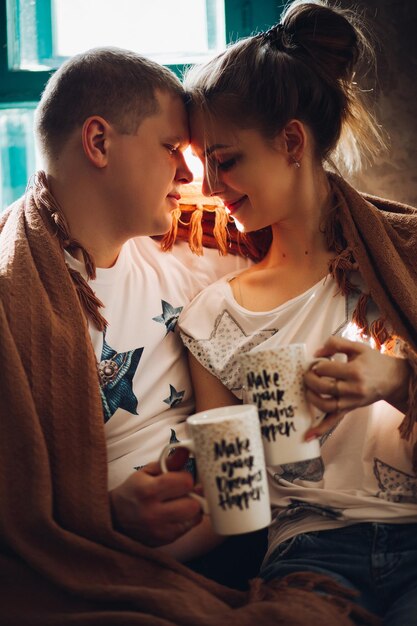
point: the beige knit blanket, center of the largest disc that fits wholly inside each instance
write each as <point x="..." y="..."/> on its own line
<point x="61" y="561"/>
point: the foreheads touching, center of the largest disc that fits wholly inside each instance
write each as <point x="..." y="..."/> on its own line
<point x="117" y="85"/>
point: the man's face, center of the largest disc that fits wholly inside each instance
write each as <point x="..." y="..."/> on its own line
<point x="147" y="170"/>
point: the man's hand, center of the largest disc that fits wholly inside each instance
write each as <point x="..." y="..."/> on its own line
<point x="367" y="376"/>
<point x="155" y="508"/>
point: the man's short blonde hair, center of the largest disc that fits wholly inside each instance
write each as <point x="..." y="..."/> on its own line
<point x="117" y="84"/>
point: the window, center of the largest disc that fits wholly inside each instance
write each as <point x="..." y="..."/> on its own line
<point x="37" y="36"/>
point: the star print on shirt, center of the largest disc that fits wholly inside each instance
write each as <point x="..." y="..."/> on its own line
<point x="169" y="316"/>
<point x="218" y="352"/>
<point x="116" y="371"/>
<point x="190" y="463"/>
<point x="175" y="397"/>
<point x="311" y="470"/>
<point x="395" y="485"/>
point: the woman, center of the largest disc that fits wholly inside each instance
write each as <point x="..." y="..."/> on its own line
<point x="270" y="117"/>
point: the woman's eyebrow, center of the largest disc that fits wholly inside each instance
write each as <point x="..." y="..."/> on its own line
<point x="214" y="147"/>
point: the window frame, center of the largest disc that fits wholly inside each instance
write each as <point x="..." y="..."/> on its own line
<point x="21" y="89"/>
<point x="242" y="17"/>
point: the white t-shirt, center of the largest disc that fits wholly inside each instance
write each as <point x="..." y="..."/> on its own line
<point x="145" y="383"/>
<point x="364" y="472"/>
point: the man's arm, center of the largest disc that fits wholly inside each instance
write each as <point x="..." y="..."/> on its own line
<point x="155" y="508"/>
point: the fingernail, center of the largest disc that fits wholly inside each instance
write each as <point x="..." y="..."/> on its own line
<point x="310" y="436"/>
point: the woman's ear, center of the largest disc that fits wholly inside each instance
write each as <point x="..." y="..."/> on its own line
<point x="95" y="134"/>
<point x="295" y="139"/>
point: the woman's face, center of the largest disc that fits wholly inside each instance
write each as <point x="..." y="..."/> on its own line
<point x="255" y="179"/>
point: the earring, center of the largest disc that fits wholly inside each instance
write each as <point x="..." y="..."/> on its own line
<point x="296" y="163"/>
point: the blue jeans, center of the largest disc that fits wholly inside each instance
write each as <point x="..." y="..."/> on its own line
<point x="377" y="560"/>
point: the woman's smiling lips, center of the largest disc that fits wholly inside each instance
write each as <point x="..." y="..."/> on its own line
<point x="234" y="206"/>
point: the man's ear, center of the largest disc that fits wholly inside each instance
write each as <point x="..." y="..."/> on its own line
<point x="95" y="135"/>
<point x="295" y="139"/>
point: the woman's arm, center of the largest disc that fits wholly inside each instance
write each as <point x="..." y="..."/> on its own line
<point x="209" y="392"/>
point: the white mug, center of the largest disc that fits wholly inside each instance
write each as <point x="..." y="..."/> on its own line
<point x="273" y="382"/>
<point x="227" y="446"/>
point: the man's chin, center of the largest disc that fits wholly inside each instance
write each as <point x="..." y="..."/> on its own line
<point x="160" y="228"/>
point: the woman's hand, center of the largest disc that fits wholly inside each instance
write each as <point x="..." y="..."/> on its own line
<point x="155" y="508"/>
<point x="367" y="376"/>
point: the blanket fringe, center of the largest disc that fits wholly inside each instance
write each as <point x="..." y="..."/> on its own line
<point x="87" y="298"/>
<point x="326" y="588"/>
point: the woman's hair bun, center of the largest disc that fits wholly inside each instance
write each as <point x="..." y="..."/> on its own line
<point x="328" y="35"/>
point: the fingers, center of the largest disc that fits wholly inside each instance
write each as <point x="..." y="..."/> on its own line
<point x="169" y="521"/>
<point x="155" y="509"/>
<point x="336" y="344"/>
<point x="329" y="422"/>
<point x="328" y="404"/>
<point x="165" y="486"/>
<point x="166" y="520"/>
<point x="182" y="510"/>
<point x="331" y="369"/>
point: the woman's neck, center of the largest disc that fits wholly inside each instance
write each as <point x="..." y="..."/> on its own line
<point x="300" y="240"/>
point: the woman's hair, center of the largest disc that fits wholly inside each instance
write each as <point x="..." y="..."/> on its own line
<point x="303" y="68"/>
<point x="116" y="84"/>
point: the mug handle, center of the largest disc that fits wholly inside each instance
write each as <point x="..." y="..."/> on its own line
<point x="317" y="419"/>
<point x="189" y="444"/>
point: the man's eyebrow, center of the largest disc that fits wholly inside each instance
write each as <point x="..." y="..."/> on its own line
<point x="176" y="139"/>
<point x="214" y="147"/>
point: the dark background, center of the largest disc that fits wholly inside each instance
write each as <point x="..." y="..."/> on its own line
<point x="394" y="24"/>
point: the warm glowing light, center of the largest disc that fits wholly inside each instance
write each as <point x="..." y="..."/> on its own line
<point x="197" y="169"/>
<point x="353" y="333"/>
<point x="239" y="226"/>
<point x="194" y="164"/>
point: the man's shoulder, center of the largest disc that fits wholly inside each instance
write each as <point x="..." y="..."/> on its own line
<point x="10" y="210"/>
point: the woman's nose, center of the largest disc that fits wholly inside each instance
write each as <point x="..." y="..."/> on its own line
<point x="211" y="185"/>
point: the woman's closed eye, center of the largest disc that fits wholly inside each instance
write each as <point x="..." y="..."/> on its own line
<point x="224" y="166"/>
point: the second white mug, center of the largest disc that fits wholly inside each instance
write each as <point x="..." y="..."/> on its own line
<point x="230" y="462"/>
<point x="273" y="382"/>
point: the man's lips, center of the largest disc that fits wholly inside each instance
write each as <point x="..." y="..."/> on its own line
<point x="234" y="206"/>
<point x="174" y="200"/>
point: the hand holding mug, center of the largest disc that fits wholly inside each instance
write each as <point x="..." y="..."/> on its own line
<point x="363" y="377"/>
<point x="154" y="508"/>
<point x="230" y="462"/>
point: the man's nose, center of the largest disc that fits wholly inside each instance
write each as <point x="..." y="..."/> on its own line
<point x="183" y="175"/>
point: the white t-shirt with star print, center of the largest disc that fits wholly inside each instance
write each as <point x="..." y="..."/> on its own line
<point x="145" y="383"/>
<point x="364" y="472"/>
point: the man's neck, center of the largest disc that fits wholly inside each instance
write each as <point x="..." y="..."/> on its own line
<point x="84" y="214"/>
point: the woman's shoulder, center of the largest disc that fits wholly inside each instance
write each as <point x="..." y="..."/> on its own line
<point x="217" y="291"/>
<point x="208" y="304"/>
